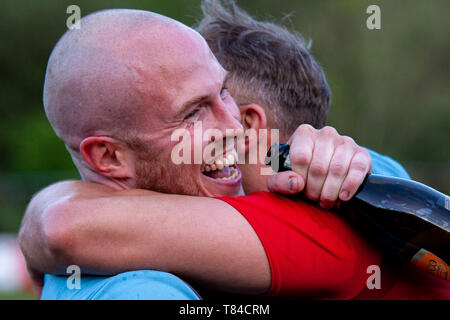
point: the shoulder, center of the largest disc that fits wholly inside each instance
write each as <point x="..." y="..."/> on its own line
<point x="310" y="250"/>
<point x="133" y="285"/>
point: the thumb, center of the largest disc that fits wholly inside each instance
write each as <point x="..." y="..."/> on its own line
<point x="287" y="182"/>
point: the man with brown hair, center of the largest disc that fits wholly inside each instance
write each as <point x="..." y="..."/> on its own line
<point x="273" y="73"/>
<point x="106" y="231"/>
<point x="269" y="66"/>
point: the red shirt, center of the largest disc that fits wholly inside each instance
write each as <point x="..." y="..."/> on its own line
<point x="314" y="253"/>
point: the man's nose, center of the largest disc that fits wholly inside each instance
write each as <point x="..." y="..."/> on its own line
<point x="231" y="128"/>
<point x="229" y="117"/>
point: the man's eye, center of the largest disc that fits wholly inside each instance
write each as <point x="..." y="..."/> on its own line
<point x="224" y="93"/>
<point x="191" y="114"/>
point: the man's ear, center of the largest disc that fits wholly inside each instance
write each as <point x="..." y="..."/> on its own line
<point x="253" y="116"/>
<point x="108" y="157"/>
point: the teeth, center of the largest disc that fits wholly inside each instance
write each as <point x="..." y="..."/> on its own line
<point x="219" y="164"/>
<point x="235" y="156"/>
<point x="231" y="159"/>
<point x="228" y="161"/>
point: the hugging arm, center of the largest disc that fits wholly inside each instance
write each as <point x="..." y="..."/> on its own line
<point x="203" y="240"/>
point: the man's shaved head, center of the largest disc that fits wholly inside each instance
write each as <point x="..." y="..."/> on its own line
<point x="116" y="89"/>
<point x="93" y="80"/>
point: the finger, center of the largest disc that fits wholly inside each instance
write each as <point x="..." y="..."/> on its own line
<point x="287" y="182"/>
<point x="359" y="167"/>
<point x="318" y="169"/>
<point x="301" y="149"/>
<point x="339" y="166"/>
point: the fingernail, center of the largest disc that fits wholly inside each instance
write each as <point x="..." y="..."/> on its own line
<point x="344" y="195"/>
<point x="293" y="183"/>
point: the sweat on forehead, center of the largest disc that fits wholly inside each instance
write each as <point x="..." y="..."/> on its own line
<point x="94" y="82"/>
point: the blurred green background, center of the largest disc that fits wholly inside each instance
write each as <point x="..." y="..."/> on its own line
<point x="390" y="86"/>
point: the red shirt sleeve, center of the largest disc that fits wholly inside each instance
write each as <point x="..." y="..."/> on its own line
<point x="312" y="252"/>
<point x="315" y="253"/>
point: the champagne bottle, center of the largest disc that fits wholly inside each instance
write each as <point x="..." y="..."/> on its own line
<point x="409" y="220"/>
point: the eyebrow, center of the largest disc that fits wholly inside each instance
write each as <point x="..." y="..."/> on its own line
<point x="188" y="104"/>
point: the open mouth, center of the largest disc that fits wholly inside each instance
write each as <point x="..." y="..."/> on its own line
<point x="222" y="170"/>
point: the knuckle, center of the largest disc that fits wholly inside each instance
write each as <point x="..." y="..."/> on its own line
<point x="337" y="169"/>
<point x="317" y="169"/>
<point x="277" y="184"/>
<point x="346" y="140"/>
<point x="307" y="126"/>
<point x="328" y="131"/>
<point x="364" y="152"/>
<point x="360" y="165"/>
<point x="305" y="129"/>
<point x="300" y="158"/>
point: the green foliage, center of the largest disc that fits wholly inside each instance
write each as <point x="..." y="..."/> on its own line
<point x="390" y="86"/>
<point x="17" y="296"/>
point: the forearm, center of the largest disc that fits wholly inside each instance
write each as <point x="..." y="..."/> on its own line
<point x="200" y="239"/>
<point x="57" y="221"/>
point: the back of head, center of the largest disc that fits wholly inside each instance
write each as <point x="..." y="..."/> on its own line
<point x="268" y="64"/>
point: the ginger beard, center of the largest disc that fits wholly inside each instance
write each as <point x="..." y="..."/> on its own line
<point x="221" y="177"/>
<point x="152" y="174"/>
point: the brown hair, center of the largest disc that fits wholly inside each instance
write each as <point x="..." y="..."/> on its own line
<point x="269" y="65"/>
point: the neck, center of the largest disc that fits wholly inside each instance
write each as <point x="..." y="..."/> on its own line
<point x="91" y="176"/>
